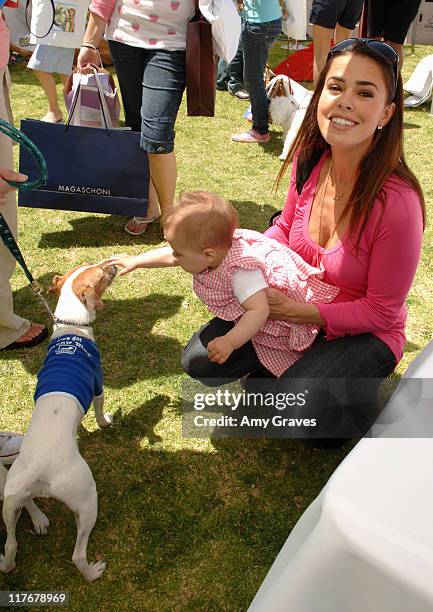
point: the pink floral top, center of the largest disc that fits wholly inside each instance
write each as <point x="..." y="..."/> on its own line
<point x="159" y="24"/>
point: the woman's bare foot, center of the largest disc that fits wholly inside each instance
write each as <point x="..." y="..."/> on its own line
<point x="138" y="225"/>
<point x="33" y="336"/>
<point x="53" y="117"/>
<point x="34" y="330"/>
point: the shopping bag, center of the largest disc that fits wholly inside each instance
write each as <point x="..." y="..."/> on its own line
<point x="200" y="67"/>
<point x="59" y="23"/>
<point x="92" y="87"/>
<point x="89" y="170"/>
<point x="226" y="26"/>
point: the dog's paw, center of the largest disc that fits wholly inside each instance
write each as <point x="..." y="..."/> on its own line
<point x="283" y="156"/>
<point x="5" y="568"/>
<point x="107" y="420"/>
<point x="94" y="571"/>
<point x="40" y="523"/>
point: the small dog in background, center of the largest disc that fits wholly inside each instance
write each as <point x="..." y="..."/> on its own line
<point x="288" y="103"/>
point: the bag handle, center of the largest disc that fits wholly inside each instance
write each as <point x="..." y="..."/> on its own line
<point x="102" y="102"/>
<point x="52" y="22"/>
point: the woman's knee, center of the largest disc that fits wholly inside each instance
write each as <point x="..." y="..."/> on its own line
<point x="194" y="359"/>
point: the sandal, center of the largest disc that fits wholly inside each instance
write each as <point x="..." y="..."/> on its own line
<point x="136" y="228"/>
<point x="28" y="343"/>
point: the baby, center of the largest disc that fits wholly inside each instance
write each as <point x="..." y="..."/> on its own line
<point x="231" y="269"/>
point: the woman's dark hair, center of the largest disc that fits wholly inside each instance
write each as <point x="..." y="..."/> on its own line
<point x="384" y="158"/>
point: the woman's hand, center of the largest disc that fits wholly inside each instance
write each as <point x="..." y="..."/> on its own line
<point x="87" y="60"/>
<point x="10" y="175"/>
<point x="279" y="305"/>
<point x="283" y="308"/>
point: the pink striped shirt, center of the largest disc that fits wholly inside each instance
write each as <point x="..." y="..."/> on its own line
<point x="374" y="282"/>
<point x="278" y="344"/>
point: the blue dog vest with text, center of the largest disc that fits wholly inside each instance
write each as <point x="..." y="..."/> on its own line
<point x="71" y="367"/>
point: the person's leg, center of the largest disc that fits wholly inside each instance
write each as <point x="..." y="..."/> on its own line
<point x="235" y="71"/>
<point x="163" y="87"/>
<point x="257" y="40"/>
<point x="341" y="33"/>
<point x="163" y="170"/>
<point x="48" y="84"/>
<point x="129" y="64"/>
<point x="45" y="61"/>
<point x="12" y="327"/>
<point x="196" y="363"/>
<point x="342" y="377"/>
<point x="322" y="43"/>
<point x="222" y="76"/>
<point x="323" y="17"/>
<point x="399" y="17"/>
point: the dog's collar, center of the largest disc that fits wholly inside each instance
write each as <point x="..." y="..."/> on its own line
<point x="69" y="323"/>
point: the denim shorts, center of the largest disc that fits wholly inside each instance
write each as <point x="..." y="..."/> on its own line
<point x="47" y="58"/>
<point x="152" y="84"/>
<point x="327" y="13"/>
<point x="391" y="19"/>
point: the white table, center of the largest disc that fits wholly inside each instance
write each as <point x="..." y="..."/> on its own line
<point x="366" y="543"/>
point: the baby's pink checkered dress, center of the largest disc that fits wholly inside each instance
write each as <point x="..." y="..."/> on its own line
<point x="279" y="343"/>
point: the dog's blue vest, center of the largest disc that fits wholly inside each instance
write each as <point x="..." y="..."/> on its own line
<point x="72" y="367"/>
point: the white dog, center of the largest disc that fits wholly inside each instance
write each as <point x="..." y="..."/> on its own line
<point x="288" y="104"/>
<point x="49" y="463"/>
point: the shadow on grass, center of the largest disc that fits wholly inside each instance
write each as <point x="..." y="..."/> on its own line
<point x="130" y="351"/>
<point x="179" y="529"/>
<point x="251" y="220"/>
<point x="97" y="231"/>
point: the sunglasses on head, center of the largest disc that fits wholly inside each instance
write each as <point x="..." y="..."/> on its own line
<point x="377" y="46"/>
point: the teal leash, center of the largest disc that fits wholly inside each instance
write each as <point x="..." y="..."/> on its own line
<point x="5" y="232"/>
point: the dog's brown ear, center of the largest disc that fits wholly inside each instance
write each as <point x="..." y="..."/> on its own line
<point x="56" y="284"/>
<point x="91" y="299"/>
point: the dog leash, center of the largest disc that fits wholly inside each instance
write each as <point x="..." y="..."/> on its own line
<point x="5" y="232"/>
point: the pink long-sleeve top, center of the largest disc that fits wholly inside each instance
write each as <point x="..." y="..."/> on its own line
<point x="375" y="281"/>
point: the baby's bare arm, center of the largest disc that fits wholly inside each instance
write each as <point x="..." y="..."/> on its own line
<point x="255" y="316"/>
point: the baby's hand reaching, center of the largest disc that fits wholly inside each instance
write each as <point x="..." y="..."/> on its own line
<point x="128" y="263"/>
<point x="219" y="349"/>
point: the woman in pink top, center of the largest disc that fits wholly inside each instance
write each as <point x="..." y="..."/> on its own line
<point x="147" y="42"/>
<point x="355" y="208"/>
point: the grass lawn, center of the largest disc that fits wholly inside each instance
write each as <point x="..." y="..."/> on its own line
<point x="184" y="524"/>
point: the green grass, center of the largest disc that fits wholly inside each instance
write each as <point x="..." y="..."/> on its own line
<point x="184" y="524"/>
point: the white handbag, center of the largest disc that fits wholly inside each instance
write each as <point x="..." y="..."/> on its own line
<point x="226" y="26"/>
<point x="420" y="83"/>
<point x="62" y="27"/>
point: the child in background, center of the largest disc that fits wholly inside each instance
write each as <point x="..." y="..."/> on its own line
<point x="15" y="19"/>
<point x="231" y="269"/>
<point x="45" y="61"/>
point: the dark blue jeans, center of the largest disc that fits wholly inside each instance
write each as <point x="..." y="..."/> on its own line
<point x="152" y="84"/>
<point x="257" y="40"/>
<point x="323" y="368"/>
<point x="231" y="76"/>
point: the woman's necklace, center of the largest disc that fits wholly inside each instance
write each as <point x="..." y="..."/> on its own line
<point x="337" y="197"/>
